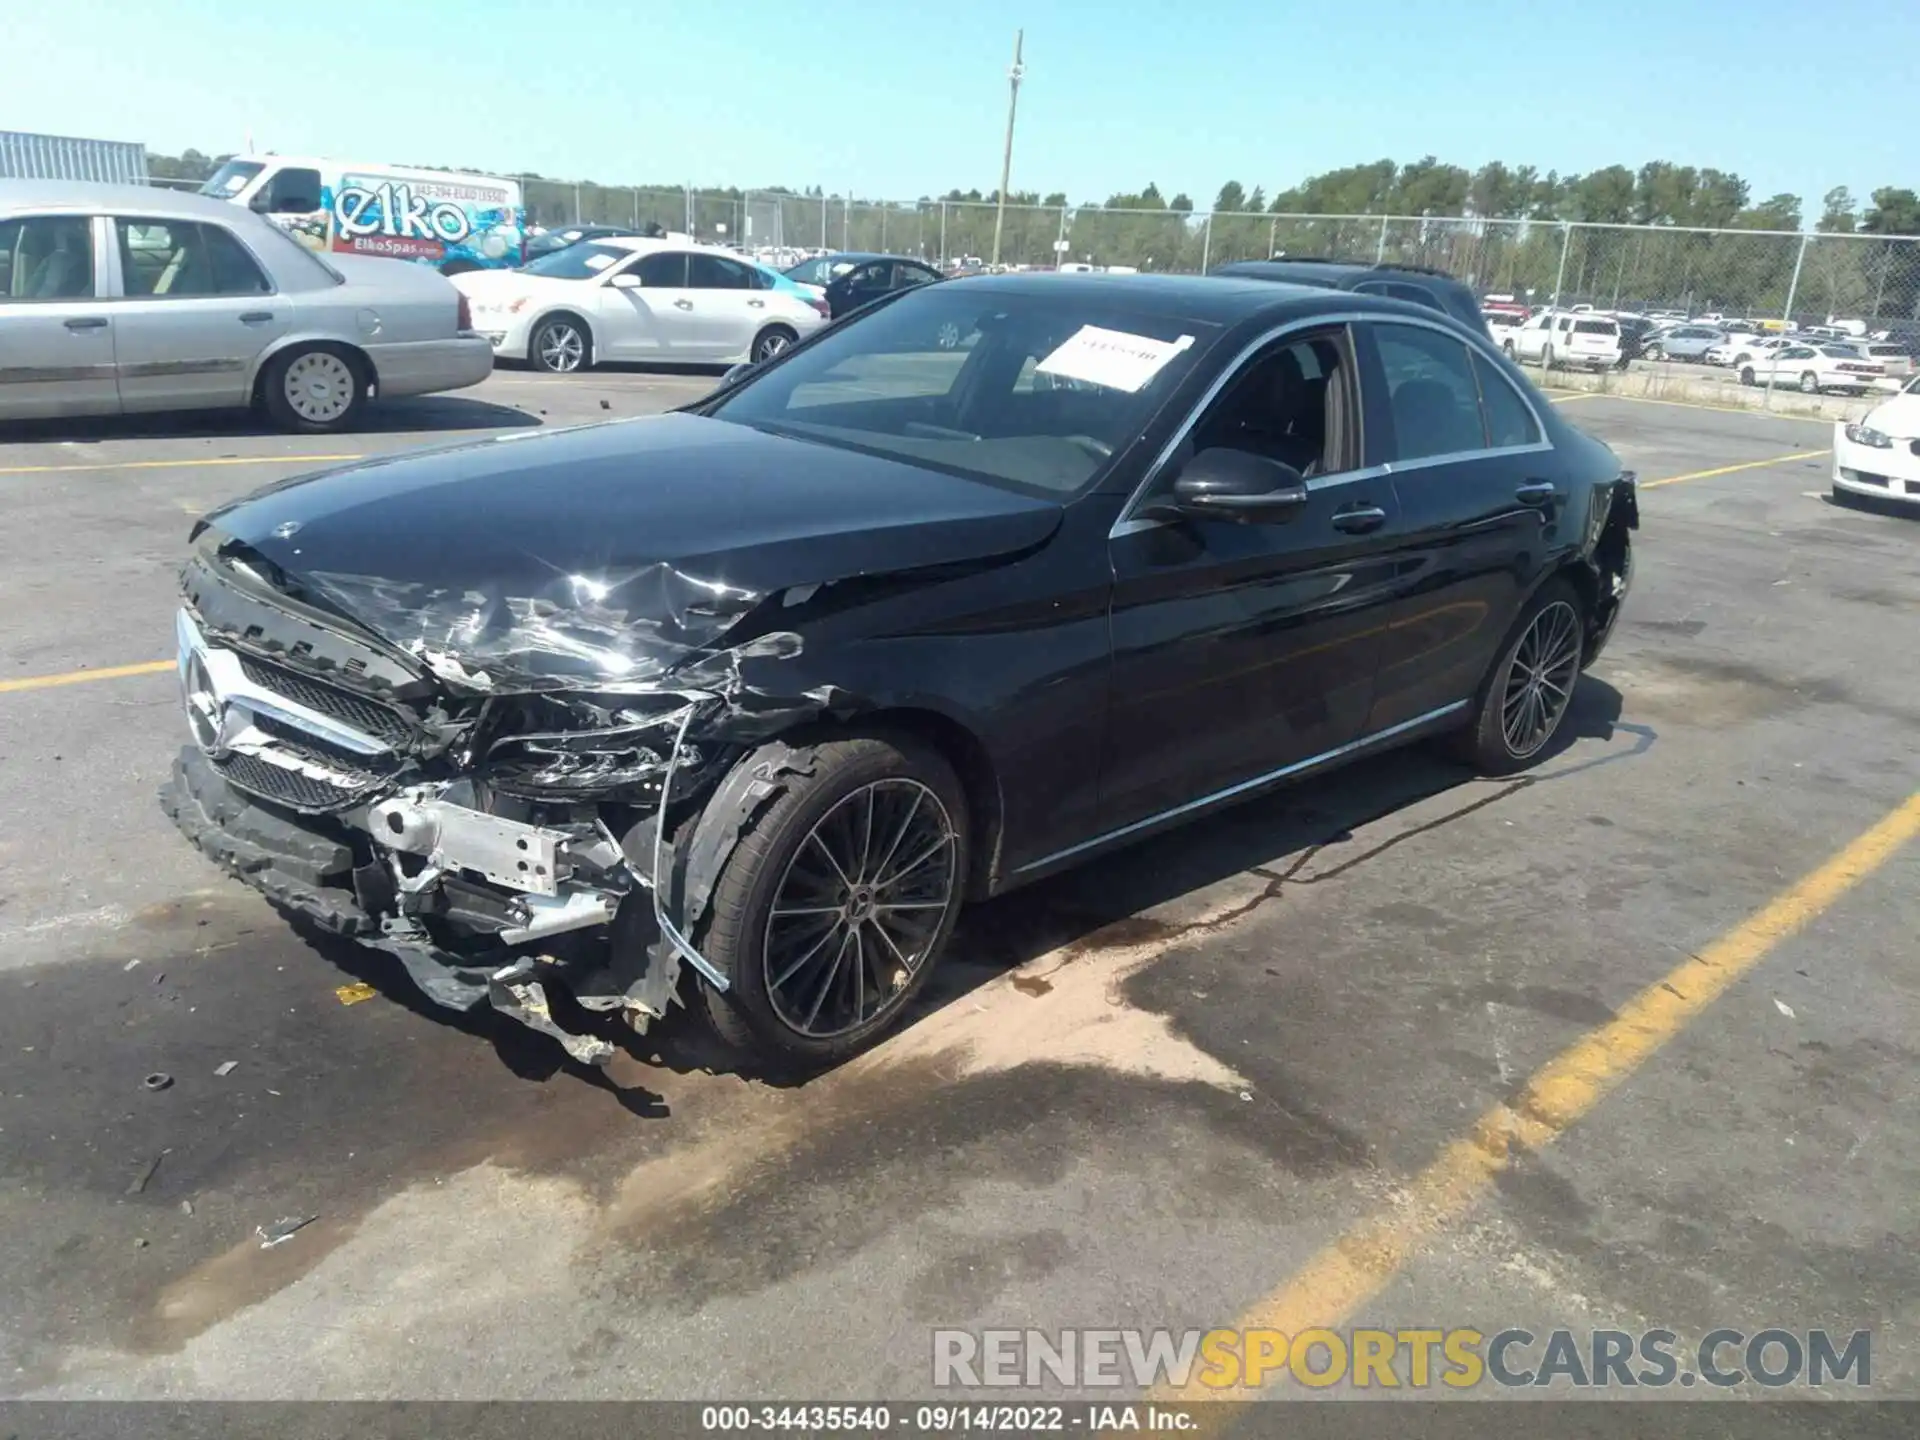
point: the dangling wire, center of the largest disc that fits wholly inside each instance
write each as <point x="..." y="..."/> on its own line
<point x="667" y="927"/>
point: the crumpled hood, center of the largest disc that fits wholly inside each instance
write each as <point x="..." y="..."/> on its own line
<point x="612" y="552"/>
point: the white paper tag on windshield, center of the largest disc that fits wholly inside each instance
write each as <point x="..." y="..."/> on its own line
<point x="1112" y="358"/>
<point x="599" y="262"/>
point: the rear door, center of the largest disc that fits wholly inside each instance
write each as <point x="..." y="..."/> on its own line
<point x="56" y="327"/>
<point x="1243" y="649"/>
<point x="728" y="305"/>
<point x="1477" y="510"/>
<point x="197" y="310"/>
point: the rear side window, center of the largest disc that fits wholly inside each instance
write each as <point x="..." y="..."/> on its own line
<point x="183" y="260"/>
<point x="1509" y="420"/>
<point x="1431" y="392"/>
<point x="1595" y="327"/>
<point x="714" y="272"/>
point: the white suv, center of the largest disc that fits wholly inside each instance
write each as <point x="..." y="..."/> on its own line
<point x="1566" y="339"/>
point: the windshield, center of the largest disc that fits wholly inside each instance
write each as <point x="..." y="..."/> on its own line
<point x="577" y="262"/>
<point x="1033" y="391"/>
<point x="231" y="178"/>
<point x="1841" y="352"/>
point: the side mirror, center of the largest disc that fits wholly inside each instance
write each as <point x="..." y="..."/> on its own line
<point x="258" y="204"/>
<point x="627" y="280"/>
<point x="1222" y="484"/>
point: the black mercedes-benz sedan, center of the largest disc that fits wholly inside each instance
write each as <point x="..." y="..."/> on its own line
<point x="737" y="705"/>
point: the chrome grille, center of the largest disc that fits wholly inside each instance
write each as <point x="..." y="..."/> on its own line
<point x="369" y="716"/>
<point x="288" y="787"/>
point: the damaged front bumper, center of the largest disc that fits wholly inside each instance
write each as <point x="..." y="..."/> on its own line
<point x="339" y="808"/>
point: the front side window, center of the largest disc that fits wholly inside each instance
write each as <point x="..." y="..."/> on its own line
<point x="46" y="258"/>
<point x="1431" y="392"/>
<point x="664" y="271"/>
<point x="180" y="259"/>
<point x="293" y="191"/>
<point x="1034" y="392"/>
<point x="1290" y="405"/>
<point x="809" y="272"/>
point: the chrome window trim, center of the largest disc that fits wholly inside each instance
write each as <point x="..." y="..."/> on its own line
<point x="1245" y="786"/>
<point x="1130" y="524"/>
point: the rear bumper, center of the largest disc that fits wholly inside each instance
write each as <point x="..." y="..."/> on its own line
<point x="424" y="366"/>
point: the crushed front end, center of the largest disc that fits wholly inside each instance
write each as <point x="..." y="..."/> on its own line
<point x="492" y="824"/>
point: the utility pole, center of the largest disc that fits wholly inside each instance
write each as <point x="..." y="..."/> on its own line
<point x="1006" y="159"/>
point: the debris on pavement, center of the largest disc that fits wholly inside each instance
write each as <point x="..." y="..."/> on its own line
<point x="1784" y="1008"/>
<point x="353" y="994"/>
<point x="282" y="1231"/>
<point x="186" y="1207"/>
<point x="157" y="1081"/>
<point x="131" y="965"/>
<point x="146" y="1173"/>
<point x="225" y="1068"/>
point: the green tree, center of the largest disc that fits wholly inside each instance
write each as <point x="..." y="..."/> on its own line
<point x="1231" y="197"/>
<point x="1837" y="211"/>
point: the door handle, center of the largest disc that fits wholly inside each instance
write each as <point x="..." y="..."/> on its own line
<point x="1359" y="519"/>
<point x="88" y="322"/>
<point x="757" y="304"/>
<point x="256" y="317"/>
<point x="1537" y="492"/>
<point x="683" y="304"/>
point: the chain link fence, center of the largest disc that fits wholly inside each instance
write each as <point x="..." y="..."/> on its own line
<point x="1756" y="274"/>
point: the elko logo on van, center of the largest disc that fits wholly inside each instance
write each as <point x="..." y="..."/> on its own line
<point x="393" y="209"/>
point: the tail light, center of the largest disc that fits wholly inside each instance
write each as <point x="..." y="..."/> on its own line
<point x="463" y="318"/>
<point x="820" y="307"/>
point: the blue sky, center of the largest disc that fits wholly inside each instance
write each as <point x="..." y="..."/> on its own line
<point x="895" y="100"/>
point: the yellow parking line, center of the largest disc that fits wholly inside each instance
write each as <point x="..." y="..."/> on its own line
<point x="1730" y="469"/>
<point x="1360" y="1263"/>
<point x="80" y="677"/>
<point x="179" y="464"/>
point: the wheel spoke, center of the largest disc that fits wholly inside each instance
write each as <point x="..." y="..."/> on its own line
<point x="905" y="870"/>
<point x="784" y="911"/>
<point x="866" y="836"/>
<point x="833" y="973"/>
<point x="813" y="950"/>
<point x="898" y="835"/>
<point x="821" y="846"/>
<point x="917" y="905"/>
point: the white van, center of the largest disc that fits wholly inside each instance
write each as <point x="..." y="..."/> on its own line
<point x="453" y="222"/>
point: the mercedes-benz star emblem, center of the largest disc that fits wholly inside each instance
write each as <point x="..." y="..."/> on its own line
<point x="286" y="529"/>
<point x="205" y="709"/>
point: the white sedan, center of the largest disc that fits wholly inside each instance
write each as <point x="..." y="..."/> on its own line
<point x="1880" y="455"/>
<point x="1813" y="368"/>
<point x="1737" y="350"/>
<point x="632" y="299"/>
<point x="128" y="298"/>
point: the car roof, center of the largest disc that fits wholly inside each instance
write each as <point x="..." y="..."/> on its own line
<point x="1318" y="265"/>
<point x="96" y="197"/>
<point x="862" y="256"/>
<point x="654" y="242"/>
<point x="1217" y="299"/>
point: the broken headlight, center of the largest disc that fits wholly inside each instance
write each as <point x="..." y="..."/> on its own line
<point x="588" y="746"/>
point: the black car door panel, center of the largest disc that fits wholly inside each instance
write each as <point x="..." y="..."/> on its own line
<point x="1478" y="511"/>
<point x="1241" y="648"/>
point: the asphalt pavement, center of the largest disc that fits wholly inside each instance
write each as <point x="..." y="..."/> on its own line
<point x="1241" y="1074"/>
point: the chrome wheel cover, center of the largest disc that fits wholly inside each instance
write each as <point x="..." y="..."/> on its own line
<point x="856" y="914"/>
<point x="319" y="387"/>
